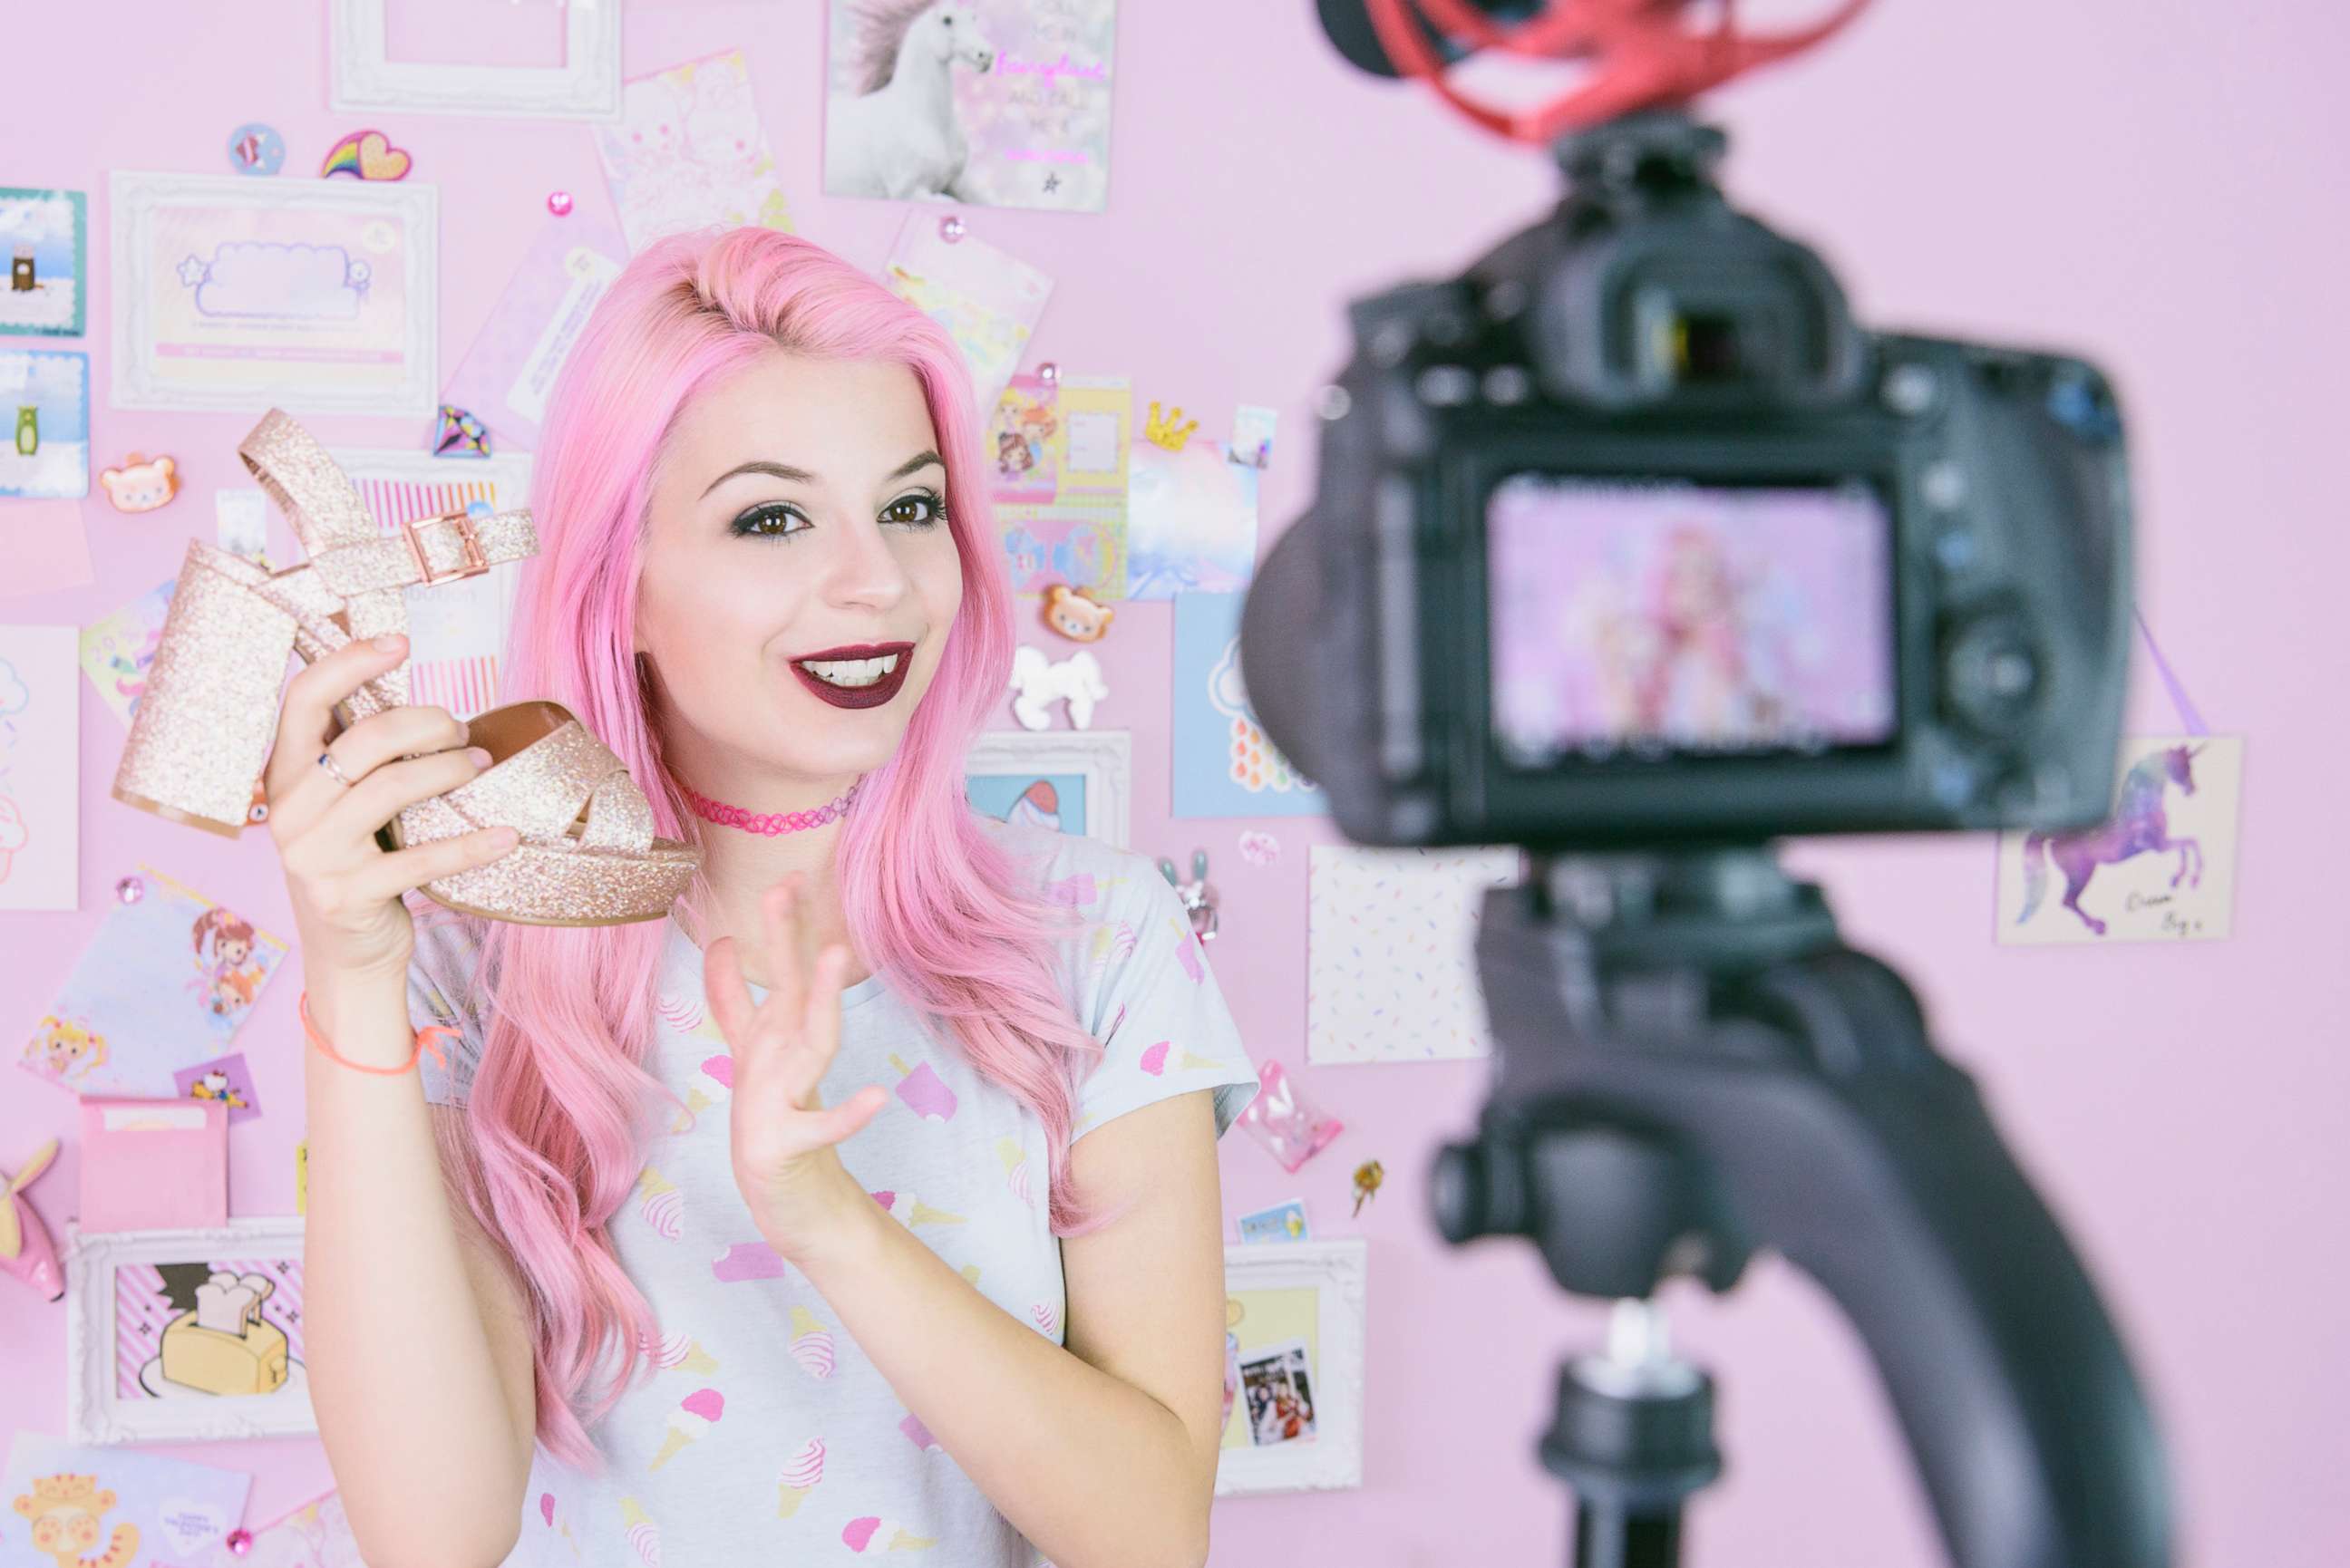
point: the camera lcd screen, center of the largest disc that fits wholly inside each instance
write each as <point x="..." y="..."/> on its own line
<point x="1663" y="618"/>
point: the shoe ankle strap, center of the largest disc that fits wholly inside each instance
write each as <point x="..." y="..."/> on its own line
<point x="437" y="550"/>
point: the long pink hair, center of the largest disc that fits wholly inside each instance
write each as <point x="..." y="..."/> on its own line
<point x="556" y="1111"/>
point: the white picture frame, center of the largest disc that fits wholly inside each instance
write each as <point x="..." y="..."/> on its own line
<point x="1337" y="1271"/>
<point x="97" y="1411"/>
<point x="142" y="202"/>
<point x="1103" y="758"/>
<point x="586" y="87"/>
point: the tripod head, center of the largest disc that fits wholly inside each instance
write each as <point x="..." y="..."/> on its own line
<point x="1691" y="1066"/>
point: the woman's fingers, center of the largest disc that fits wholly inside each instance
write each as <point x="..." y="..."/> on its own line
<point x="306" y="719"/>
<point x="349" y="821"/>
<point x="389" y="875"/>
<point x="819" y="1032"/>
<point x="359" y="751"/>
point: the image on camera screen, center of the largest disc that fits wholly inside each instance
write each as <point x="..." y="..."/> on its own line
<point x="1658" y="618"/>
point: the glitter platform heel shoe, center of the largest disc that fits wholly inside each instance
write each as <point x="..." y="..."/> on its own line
<point x="201" y="731"/>
<point x="200" y="735"/>
<point x="589" y="856"/>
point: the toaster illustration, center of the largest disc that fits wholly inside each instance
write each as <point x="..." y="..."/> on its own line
<point x="224" y="1346"/>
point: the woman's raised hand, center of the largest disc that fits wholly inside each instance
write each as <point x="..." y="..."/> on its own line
<point x="785" y="1140"/>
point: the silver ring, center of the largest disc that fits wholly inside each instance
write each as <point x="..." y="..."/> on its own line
<point x="326" y="761"/>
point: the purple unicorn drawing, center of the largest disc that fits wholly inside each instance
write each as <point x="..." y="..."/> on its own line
<point x="2138" y="827"/>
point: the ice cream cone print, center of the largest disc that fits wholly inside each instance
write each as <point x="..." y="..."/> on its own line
<point x="689" y="1422"/>
<point x="713" y="1082"/>
<point x="811" y="1344"/>
<point x="643" y="1533"/>
<point x="1111" y="944"/>
<point x="1048" y="1322"/>
<point x="681" y="1352"/>
<point x="682" y="1013"/>
<point x="916" y="1433"/>
<point x="1187" y="950"/>
<point x="871" y="1535"/>
<point x="663" y="1205"/>
<point x="801" y="1473"/>
<point x="970" y="1274"/>
<point x="924" y="1094"/>
<point x="747" y="1260"/>
<point x="911" y="1211"/>
<point x="1190" y="1064"/>
<point x="1015" y="1166"/>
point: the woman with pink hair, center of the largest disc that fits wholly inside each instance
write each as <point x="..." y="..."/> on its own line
<point x="705" y="1235"/>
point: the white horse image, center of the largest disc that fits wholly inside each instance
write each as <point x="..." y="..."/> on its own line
<point x="1038" y="684"/>
<point x="896" y="135"/>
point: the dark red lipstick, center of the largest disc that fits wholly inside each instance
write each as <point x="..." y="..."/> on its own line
<point x="871" y="696"/>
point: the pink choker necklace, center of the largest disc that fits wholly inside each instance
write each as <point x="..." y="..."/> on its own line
<point x="773" y="822"/>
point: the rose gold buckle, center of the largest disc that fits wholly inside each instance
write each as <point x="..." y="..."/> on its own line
<point x="474" y="563"/>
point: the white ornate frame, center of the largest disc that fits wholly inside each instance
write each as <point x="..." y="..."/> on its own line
<point x="587" y="86"/>
<point x="1105" y="758"/>
<point x="133" y="197"/>
<point x="94" y="1412"/>
<point x="1337" y="1270"/>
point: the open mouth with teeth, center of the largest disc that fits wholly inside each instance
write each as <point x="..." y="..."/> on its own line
<point x="865" y="676"/>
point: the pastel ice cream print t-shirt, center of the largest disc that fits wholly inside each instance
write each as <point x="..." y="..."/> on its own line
<point x="766" y="1436"/>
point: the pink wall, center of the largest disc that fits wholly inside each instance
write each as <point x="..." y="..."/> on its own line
<point x="2151" y="184"/>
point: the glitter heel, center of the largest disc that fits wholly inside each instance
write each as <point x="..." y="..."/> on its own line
<point x="589" y="856"/>
<point x="201" y="733"/>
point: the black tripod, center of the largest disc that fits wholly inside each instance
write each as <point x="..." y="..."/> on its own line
<point x="1689" y="1064"/>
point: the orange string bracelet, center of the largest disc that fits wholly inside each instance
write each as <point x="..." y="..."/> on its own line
<point x="425" y="1045"/>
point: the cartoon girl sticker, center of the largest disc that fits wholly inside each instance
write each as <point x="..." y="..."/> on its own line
<point x="228" y="977"/>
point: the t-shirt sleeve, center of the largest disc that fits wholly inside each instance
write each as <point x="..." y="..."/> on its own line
<point x="1148" y="995"/>
<point x="442" y="998"/>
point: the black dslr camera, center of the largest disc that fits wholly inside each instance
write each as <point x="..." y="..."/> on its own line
<point x="1630" y="548"/>
<point x="1631" y="534"/>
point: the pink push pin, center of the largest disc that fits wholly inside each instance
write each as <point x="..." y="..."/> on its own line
<point x="559" y="204"/>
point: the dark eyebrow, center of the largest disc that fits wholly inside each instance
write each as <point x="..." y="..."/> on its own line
<point x="801" y="476"/>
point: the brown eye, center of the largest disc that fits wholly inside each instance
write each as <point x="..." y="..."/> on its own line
<point x="919" y="510"/>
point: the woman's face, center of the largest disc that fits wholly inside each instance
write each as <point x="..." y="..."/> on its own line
<point x="799" y="574"/>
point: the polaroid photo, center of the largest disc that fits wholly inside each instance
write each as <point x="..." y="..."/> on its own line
<point x="566" y="65"/>
<point x="313" y="295"/>
<point x="187" y="1335"/>
<point x="998" y="103"/>
<point x="44" y="394"/>
<point x="1065" y="781"/>
<point x="44" y="235"/>
<point x="1278" y="1385"/>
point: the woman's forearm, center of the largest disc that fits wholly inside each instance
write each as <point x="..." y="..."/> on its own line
<point x="1094" y="1471"/>
<point x="402" y="1374"/>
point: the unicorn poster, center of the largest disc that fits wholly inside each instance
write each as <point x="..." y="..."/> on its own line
<point x="998" y="103"/>
<point x="2162" y="869"/>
